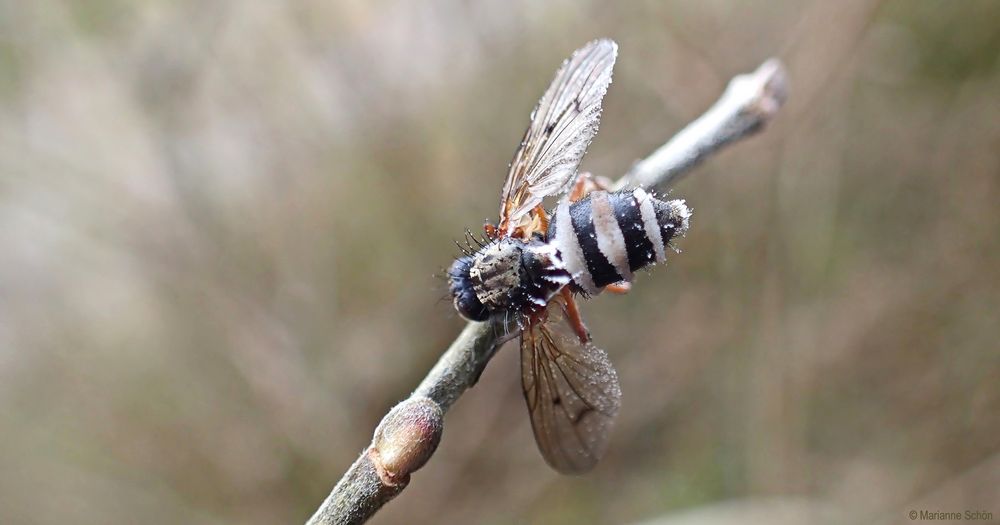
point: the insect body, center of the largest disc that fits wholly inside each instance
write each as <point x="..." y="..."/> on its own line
<point x="533" y="263"/>
<point x="599" y="240"/>
<point x="507" y="275"/>
<point x="606" y="237"/>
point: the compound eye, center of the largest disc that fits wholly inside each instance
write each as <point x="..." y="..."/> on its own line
<point x="466" y="302"/>
<point x="469" y="307"/>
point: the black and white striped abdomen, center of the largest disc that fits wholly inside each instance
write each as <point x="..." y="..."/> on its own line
<point x="606" y="237"/>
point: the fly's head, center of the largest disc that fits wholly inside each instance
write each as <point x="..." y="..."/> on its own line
<point x="463" y="294"/>
<point x="485" y="281"/>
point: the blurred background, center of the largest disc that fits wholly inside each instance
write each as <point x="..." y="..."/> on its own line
<point x="220" y="224"/>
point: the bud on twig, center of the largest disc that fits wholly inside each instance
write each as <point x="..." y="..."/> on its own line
<point x="406" y="438"/>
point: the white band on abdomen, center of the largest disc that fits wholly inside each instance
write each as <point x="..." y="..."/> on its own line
<point x="610" y="239"/>
<point x="650" y="223"/>
<point x="569" y="247"/>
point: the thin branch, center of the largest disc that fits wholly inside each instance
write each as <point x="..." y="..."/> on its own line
<point x="748" y="103"/>
<point x="408" y="435"/>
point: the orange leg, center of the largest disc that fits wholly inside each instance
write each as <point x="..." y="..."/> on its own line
<point x="542" y="218"/>
<point x="581" y="187"/>
<point x="586" y="183"/>
<point x="619" y="288"/>
<point x="602" y="183"/>
<point x="573" y="315"/>
<point x="492" y="233"/>
<point x="539" y="223"/>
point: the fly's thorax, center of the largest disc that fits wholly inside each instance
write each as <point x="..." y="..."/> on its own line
<point x="545" y="274"/>
<point x="509" y="275"/>
<point x="496" y="272"/>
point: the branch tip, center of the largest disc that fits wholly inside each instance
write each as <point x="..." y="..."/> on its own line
<point x="766" y="87"/>
<point x="748" y="103"/>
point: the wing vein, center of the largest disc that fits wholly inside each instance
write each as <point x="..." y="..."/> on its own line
<point x="562" y="125"/>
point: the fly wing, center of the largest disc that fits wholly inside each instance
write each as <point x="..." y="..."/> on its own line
<point x="572" y="392"/>
<point x="562" y="126"/>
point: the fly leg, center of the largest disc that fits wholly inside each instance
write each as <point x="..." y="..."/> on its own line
<point x="619" y="288"/>
<point x="582" y="186"/>
<point x="542" y="220"/>
<point x="573" y="315"/>
<point x="492" y="232"/>
<point x="586" y="183"/>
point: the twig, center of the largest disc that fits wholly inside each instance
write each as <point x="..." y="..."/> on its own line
<point x="748" y="103"/>
<point x="408" y="435"/>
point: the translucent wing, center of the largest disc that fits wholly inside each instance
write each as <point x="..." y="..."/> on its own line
<point x="562" y="126"/>
<point x="572" y="392"/>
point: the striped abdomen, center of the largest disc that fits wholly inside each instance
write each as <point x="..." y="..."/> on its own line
<point x="606" y="237"/>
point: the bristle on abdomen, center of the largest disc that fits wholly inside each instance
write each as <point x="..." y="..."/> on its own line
<point x="606" y="237"/>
